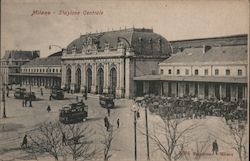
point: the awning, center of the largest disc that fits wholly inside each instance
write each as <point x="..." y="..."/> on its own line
<point x="191" y="78"/>
<point x="35" y="74"/>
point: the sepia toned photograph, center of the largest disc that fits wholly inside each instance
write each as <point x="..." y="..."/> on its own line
<point x="163" y="80"/>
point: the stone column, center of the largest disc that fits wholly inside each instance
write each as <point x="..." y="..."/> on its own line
<point x="63" y="74"/>
<point x="93" y="87"/>
<point x="128" y="91"/>
<point x="106" y="75"/>
<point x="122" y="88"/>
<point x="83" y="77"/>
<point x="73" y="77"/>
<point x="118" y="88"/>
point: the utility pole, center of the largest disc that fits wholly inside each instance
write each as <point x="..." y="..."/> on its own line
<point x="146" y="118"/>
<point x="134" y="108"/>
<point x="135" y="135"/>
<point x="4" y="110"/>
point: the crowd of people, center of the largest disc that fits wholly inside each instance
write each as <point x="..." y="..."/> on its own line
<point x="192" y="108"/>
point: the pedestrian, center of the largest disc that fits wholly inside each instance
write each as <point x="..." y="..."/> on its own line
<point x="23" y="103"/>
<point x="118" y="122"/>
<point x="63" y="139"/>
<point x="41" y="92"/>
<point x="108" y="111"/>
<point x="25" y="142"/>
<point x="138" y="114"/>
<point x="76" y="98"/>
<point x="30" y="102"/>
<point x="105" y="121"/>
<point x="215" y="147"/>
<point x="50" y="97"/>
<point x="86" y="93"/>
<point x="108" y="124"/>
<point x="48" y="108"/>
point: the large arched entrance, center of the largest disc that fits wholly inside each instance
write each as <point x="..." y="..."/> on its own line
<point x="89" y="79"/>
<point x="78" y="80"/>
<point x="113" y="80"/>
<point x="100" y="80"/>
<point x="68" y="78"/>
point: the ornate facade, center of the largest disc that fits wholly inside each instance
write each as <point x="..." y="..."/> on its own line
<point x="108" y="61"/>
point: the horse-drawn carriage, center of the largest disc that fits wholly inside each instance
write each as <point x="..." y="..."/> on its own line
<point x="107" y="100"/>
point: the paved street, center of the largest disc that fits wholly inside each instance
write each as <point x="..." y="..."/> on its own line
<point x="21" y="119"/>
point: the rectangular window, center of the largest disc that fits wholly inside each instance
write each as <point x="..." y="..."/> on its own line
<point x="169" y="71"/>
<point x="178" y="71"/>
<point x="216" y="72"/>
<point x="239" y="72"/>
<point x="187" y="72"/>
<point x="206" y="72"/>
<point x="196" y="72"/>
<point x="227" y="72"/>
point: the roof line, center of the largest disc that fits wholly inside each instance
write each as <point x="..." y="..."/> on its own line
<point x="217" y="37"/>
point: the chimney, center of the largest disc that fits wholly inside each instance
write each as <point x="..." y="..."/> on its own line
<point x="206" y="48"/>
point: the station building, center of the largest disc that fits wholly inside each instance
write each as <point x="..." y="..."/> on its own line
<point x="108" y="61"/>
<point x="206" y="68"/>
<point x="42" y="71"/>
<point x="11" y="64"/>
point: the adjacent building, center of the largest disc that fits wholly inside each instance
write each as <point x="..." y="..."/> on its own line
<point x="11" y="64"/>
<point x="108" y="61"/>
<point x="217" y="70"/>
<point x="42" y="71"/>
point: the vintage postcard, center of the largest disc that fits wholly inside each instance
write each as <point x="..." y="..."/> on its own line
<point x="124" y="80"/>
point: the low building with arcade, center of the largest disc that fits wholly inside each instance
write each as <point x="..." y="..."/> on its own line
<point x="213" y="68"/>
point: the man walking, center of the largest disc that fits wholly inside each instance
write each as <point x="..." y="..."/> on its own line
<point x="108" y="111"/>
<point x="48" y="108"/>
<point x="118" y="122"/>
<point x="215" y="147"/>
<point x="25" y="142"/>
<point x="41" y="92"/>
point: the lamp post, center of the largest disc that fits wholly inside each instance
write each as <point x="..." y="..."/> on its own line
<point x="134" y="109"/>
<point x="146" y="120"/>
<point x="4" y="110"/>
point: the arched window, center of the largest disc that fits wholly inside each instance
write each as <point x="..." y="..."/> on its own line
<point x="113" y="80"/>
<point x="100" y="80"/>
<point x="89" y="79"/>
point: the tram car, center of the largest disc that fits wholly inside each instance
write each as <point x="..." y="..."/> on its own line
<point x="57" y="93"/>
<point x="107" y="100"/>
<point x="73" y="113"/>
<point x="19" y="93"/>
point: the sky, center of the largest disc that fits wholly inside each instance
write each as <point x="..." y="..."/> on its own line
<point x="175" y="20"/>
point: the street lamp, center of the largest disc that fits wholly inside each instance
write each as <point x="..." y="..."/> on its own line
<point x="50" y="46"/>
<point x="146" y="119"/>
<point x="134" y="108"/>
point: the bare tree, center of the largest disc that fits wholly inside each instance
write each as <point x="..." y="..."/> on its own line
<point x="46" y="139"/>
<point x="238" y="138"/>
<point x="107" y="139"/>
<point x="77" y="142"/>
<point x="172" y="137"/>
<point x="201" y="147"/>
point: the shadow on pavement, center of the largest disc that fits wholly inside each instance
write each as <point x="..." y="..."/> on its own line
<point x="94" y="119"/>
